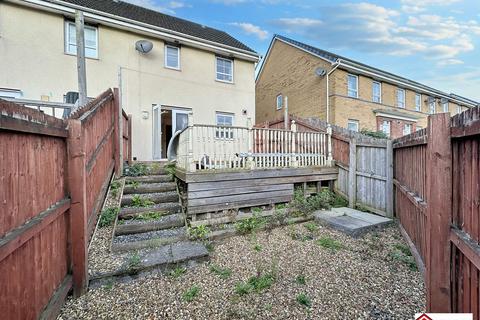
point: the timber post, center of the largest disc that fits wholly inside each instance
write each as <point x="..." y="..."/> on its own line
<point x="439" y="213"/>
<point x="251" y="139"/>
<point x="118" y="136"/>
<point x="190" y="160"/>
<point x="129" y="139"/>
<point x="352" y="173"/>
<point x="78" y="212"/>
<point x="294" y="159"/>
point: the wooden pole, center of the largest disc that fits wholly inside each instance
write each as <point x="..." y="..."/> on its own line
<point x="118" y="136"/>
<point x="439" y="213"/>
<point x="130" y="139"/>
<point x="285" y="117"/>
<point x="352" y="174"/>
<point x="389" y="182"/>
<point x="81" y="65"/>
<point x="78" y="212"/>
<point x="294" y="159"/>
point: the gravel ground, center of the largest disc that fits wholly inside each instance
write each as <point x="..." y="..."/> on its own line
<point x="367" y="278"/>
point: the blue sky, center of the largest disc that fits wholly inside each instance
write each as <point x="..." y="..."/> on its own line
<point x="436" y="42"/>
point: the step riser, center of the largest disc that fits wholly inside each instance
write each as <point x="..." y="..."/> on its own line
<point x="131" y="213"/>
<point x="150" y="179"/>
<point x="139" y="228"/>
<point x="147" y="189"/>
<point x="137" y="245"/>
<point x="156" y="199"/>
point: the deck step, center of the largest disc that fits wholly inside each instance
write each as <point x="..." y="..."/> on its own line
<point x="160" y="197"/>
<point x="163" y="208"/>
<point x="139" y="226"/>
<point x="150" y="179"/>
<point x="149" y="239"/>
<point x="149" y="188"/>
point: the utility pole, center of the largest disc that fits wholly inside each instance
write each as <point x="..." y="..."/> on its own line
<point x="81" y="67"/>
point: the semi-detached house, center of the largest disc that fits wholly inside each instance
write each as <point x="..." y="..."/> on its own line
<point x="344" y="92"/>
<point x="191" y="67"/>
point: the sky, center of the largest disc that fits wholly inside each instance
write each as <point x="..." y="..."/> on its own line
<point x="435" y="42"/>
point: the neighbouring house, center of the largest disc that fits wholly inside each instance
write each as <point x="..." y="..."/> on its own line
<point x="191" y="67"/>
<point x="359" y="96"/>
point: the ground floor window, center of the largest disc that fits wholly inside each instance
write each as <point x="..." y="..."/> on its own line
<point x="353" y="125"/>
<point x="385" y="127"/>
<point x="224" y="121"/>
<point x="407" y="129"/>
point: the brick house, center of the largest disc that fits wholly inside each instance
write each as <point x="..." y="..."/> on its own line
<point x="360" y="96"/>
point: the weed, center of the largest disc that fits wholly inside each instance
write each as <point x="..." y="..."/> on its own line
<point x="249" y="225"/>
<point x="242" y="288"/>
<point x="139" y="201"/>
<point x="300" y="279"/>
<point x="339" y="201"/>
<point x="107" y="217"/>
<point x="257" y="247"/>
<point x="135" y="170"/>
<point x="200" y="232"/>
<point x="330" y="243"/>
<point x="223" y="273"/>
<point x="150" y="215"/>
<point x="402" y="254"/>
<point x="257" y="210"/>
<point x="170" y="169"/>
<point x="311" y="226"/>
<point x="304" y="300"/>
<point x="209" y="246"/>
<point x="109" y="283"/>
<point x="114" y="188"/>
<point x="268" y="307"/>
<point x="280" y="206"/>
<point x="403" y="248"/>
<point x="178" y="272"/>
<point x="191" y="293"/>
<point x="133" y="261"/>
<point x="133" y="184"/>
<point x="303" y="206"/>
<point x="256" y="283"/>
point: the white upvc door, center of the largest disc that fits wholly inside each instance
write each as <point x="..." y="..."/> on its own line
<point x="179" y="120"/>
<point x="157" y="132"/>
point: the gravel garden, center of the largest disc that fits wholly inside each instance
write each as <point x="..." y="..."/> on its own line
<point x="301" y="271"/>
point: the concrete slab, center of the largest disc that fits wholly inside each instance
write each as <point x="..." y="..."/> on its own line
<point x="351" y="221"/>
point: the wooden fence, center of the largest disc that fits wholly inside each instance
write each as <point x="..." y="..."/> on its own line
<point x="437" y="188"/>
<point x="47" y="215"/>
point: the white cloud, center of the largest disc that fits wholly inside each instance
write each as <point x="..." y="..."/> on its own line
<point x="372" y="28"/>
<point x="165" y="7"/>
<point x="449" y="62"/>
<point x="416" y="6"/>
<point x="249" y="28"/>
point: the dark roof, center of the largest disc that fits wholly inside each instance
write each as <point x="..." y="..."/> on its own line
<point x="332" y="57"/>
<point x="158" y="19"/>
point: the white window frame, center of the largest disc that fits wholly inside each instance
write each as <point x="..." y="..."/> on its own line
<point x="418" y="103"/>
<point x="383" y="127"/>
<point x="356" y="123"/>
<point x="432" y="106"/>
<point x="167" y="46"/>
<point x="216" y="69"/>
<point x="459" y="109"/>
<point x="10" y="93"/>
<point x="403" y="106"/>
<point x="409" y="125"/>
<point x="279" y="106"/>
<point x="222" y="131"/>
<point x="445" y="104"/>
<point x="67" y="42"/>
<point x="379" y="91"/>
<point x="356" y="85"/>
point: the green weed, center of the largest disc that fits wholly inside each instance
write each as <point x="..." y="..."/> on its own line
<point x="249" y="225"/>
<point x="223" y="273"/>
<point x="133" y="262"/>
<point x="257" y="247"/>
<point x="139" y="201"/>
<point x="300" y="279"/>
<point x="311" y="226"/>
<point x="114" y="188"/>
<point x="255" y="284"/>
<point x="191" y="293"/>
<point x="330" y="243"/>
<point x="150" y="215"/>
<point x="107" y="217"/>
<point x="178" y="272"/>
<point x="200" y="232"/>
<point x="135" y="170"/>
<point x="304" y="300"/>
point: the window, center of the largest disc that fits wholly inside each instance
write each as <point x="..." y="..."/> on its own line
<point x="352" y="86"/>
<point x="224" y="121"/>
<point x="224" y="68"/>
<point x="385" y="127"/>
<point x="400" y="98"/>
<point x="91" y="40"/>
<point x="353" y="125"/>
<point x="418" y="102"/>
<point x="445" y="105"/>
<point x="419" y="128"/>
<point x="279" y="102"/>
<point x="407" y="129"/>
<point x="431" y="105"/>
<point x="377" y="92"/>
<point x="172" y="57"/>
<point x="10" y="93"/>
<point x="459" y="109"/>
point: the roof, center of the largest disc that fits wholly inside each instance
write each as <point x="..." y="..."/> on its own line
<point x="158" y="19"/>
<point x="332" y="57"/>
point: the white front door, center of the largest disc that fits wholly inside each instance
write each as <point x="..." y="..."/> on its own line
<point x="157" y="132"/>
<point x="179" y="120"/>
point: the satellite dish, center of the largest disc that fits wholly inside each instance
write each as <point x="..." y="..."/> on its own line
<point x="320" y="72"/>
<point x="143" y="46"/>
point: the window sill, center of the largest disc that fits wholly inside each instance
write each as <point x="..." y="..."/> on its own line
<point x="74" y="55"/>
<point x="172" y="68"/>
<point x="224" y="81"/>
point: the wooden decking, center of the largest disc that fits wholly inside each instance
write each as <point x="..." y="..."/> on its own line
<point x="223" y="190"/>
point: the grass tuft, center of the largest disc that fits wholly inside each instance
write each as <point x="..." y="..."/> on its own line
<point x="191" y="293"/>
<point x="330" y="243"/>
<point x="304" y="300"/>
<point x="178" y="272"/>
<point x="223" y="273"/>
<point x="300" y="279"/>
<point x="107" y="217"/>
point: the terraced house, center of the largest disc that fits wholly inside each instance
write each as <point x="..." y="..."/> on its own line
<point x="344" y="92"/>
<point x="165" y="67"/>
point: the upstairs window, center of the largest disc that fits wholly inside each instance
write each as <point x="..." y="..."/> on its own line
<point x="224" y="69"/>
<point x="377" y="92"/>
<point x="224" y="121"/>
<point x="279" y="101"/>
<point x="445" y="106"/>
<point x="459" y="109"/>
<point x="432" y="106"/>
<point x="91" y="40"/>
<point x="401" y="98"/>
<point x="418" y="102"/>
<point x="172" y="57"/>
<point x="352" y="86"/>
<point x="353" y="125"/>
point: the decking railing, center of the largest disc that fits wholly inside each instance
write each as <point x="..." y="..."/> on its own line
<point x="208" y="147"/>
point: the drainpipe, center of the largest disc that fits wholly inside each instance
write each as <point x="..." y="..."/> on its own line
<point x="336" y="65"/>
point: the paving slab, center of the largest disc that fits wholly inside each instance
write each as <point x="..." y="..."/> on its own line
<point x="351" y="221"/>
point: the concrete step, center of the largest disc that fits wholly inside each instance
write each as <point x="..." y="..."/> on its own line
<point x="149" y="239"/>
<point x="150" y="179"/>
<point x="162" y="208"/>
<point x="139" y="226"/>
<point x="160" y="197"/>
<point x="149" y="188"/>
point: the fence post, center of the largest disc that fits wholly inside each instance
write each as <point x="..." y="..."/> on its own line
<point x="130" y="139"/>
<point x="190" y="160"/>
<point x="439" y="213"/>
<point x="250" y="141"/>
<point x="118" y="138"/>
<point x="294" y="159"/>
<point x="352" y="174"/>
<point x="389" y="182"/>
<point x="329" y="145"/>
<point x="78" y="210"/>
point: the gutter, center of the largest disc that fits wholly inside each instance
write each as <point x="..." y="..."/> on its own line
<point x="140" y="27"/>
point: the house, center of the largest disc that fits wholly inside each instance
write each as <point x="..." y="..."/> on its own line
<point x="359" y="96"/>
<point x="191" y="67"/>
